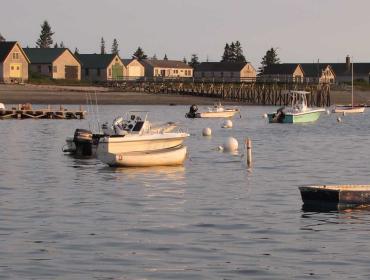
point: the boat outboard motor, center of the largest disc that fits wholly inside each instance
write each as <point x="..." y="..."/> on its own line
<point x="192" y="111"/>
<point x="83" y="140"/>
<point x="279" y="116"/>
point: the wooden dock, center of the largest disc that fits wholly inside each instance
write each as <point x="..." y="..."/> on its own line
<point x="26" y="112"/>
<point x="247" y="92"/>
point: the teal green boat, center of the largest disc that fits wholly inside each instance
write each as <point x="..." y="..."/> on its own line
<point x="298" y="112"/>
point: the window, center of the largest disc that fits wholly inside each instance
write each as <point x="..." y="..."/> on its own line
<point x="110" y="72"/>
<point x="15" y="55"/>
<point x="87" y="72"/>
<point x="49" y="66"/>
<point x="12" y="67"/>
<point x="98" y="72"/>
<point x="17" y="67"/>
<point x="55" y="69"/>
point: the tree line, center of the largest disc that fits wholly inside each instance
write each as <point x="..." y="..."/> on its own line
<point x="233" y="52"/>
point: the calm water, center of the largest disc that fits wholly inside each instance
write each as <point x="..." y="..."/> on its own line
<point x="66" y="218"/>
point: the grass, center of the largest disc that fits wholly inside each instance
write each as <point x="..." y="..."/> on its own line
<point x="38" y="79"/>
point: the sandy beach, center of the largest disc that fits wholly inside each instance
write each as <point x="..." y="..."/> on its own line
<point x="45" y="94"/>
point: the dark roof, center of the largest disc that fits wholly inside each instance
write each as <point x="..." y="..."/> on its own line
<point x="96" y="60"/>
<point x="44" y="55"/>
<point x="5" y="48"/>
<point x="221" y="66"/>
<point x="166" y="63"/>
<point x="340" y="69"/>
<point x="281" y="69"/>
<point x="313" y="69"/>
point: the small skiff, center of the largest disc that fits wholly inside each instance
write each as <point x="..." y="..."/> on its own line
<point x="347" y="195"/>
<point x="349" y="109"/>
<point x="164" y="157"/>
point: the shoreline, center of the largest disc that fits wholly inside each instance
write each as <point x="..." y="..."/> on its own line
<point x="50" y="94"/>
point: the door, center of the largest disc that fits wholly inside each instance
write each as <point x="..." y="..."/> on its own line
<point x="15" y="70"/>
<point x="71" y="72"/>
<point x="117" y="71"/>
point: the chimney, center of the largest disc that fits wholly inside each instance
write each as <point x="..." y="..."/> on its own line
<point x="348" y="63"/>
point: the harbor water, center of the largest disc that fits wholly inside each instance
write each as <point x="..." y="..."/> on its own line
<point x="68" y="218"/>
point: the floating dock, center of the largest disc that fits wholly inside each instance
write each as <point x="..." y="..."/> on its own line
<point x="26" y="112"/>
<point x="336" y="196"/>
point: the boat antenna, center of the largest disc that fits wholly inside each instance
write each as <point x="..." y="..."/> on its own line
<point x="97" y="111"/>
<point x="88" y="108"/>
<point x="352" y="81"/>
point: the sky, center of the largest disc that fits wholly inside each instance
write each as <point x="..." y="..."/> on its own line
<point x="301" y="30"/>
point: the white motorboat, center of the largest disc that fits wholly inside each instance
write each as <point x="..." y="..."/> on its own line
<point x="164" y="157"/>
<point x="134" y="134"/>
<point x="217" y="111"/>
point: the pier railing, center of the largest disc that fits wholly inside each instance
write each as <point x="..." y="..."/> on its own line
<point x="257" y="92"/>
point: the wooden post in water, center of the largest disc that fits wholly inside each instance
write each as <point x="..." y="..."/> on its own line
<point x="248" y="144"/>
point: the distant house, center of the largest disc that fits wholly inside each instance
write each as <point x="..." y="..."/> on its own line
<point x="134" y="69"/>
<point x="167" y="68"/>
<point x="227" y="71"/>
<point x="13" y="63"/>
<point x="56" y="63"/>
<point x="285" y="72"/>
<point x="101" y="67"/>
<point x="343" y="71"/>
<point x="318" y="72"/>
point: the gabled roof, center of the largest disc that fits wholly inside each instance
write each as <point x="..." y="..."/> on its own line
<point x="221" y="66"/>
<point x="127" y="61"/>
<point x="44" y="55"/>
<point x="281" y="69"/>
<point x="96" y="60"/>
<point x="314" y="69"/>
<point x="166" y="63"/>
<point x="5" y="49"/>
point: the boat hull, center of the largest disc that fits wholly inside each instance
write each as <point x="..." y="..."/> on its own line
<point x="134" y="143"/>
<point x="342" y="195"/>
<point x="305" y="117"/>
<point x="224" y="114"/>
<point x="349" y="109"/>
<point x="164" y="157"/>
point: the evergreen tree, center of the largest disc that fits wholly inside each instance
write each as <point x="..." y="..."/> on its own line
<point x="77" y="52"/>
<point x="56" y="45"/>
<point x="239" y="56"/>
<point x="184" y="60"/>
<point x="165" y="57"/>
<point x="102" y="46"/>
<point x="194" y="61"/>
<point x="227" y="54"/>
<point x="139" y="54"/>
<point x="45" y="40"/>
<point x="269" y="59"/>
<point x="115" y="49"/>
<point x="2" y="39"/>
<point x="61" y="45"/>
<point x="232" y="52"/>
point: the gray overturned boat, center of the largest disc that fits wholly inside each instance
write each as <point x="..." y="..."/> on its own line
<point x="336" y="195"/>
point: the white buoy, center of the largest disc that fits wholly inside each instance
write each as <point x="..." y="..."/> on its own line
<point x="339" y="119"/>
<point x="265" y="116"/>
<point x="231" y="144"/>
<point x="227" y="124"/>
<point x="207" y="131"/>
